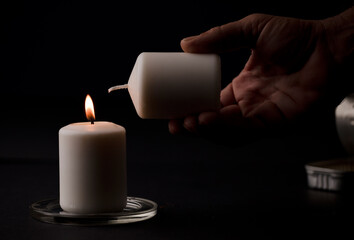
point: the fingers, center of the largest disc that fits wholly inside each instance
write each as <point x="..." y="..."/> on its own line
<point x="227" y="96"/>
<point x="228" y="37"/>
<point x="227" y="116"/>
<point x="190" y="123"/>
<point x="175" y="126"/>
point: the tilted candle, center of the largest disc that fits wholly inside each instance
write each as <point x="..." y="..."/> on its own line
<point x="174" y="85"/>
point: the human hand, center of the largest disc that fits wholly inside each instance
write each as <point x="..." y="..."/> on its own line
<point x="290" y="69"/>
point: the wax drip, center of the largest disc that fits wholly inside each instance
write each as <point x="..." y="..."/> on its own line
<point x="124" y="86"/>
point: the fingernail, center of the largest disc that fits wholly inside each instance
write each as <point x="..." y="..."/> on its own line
<point x="188" y="38"/>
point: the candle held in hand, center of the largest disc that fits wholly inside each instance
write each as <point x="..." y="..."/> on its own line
<point x="92" y="166"/>
<point x="174" y="85"/>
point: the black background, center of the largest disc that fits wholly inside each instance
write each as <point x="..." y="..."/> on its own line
<point x="53" y="53"/>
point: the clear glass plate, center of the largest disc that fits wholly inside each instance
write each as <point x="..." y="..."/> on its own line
<point x="137" y="209"/>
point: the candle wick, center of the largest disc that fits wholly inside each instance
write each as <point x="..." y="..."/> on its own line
<point x="92" y="122"/>
<point x="124" y="86"/>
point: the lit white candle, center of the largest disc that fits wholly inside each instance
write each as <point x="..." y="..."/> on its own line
<point x="174" y="85"/>
<point x="92" y="166"/>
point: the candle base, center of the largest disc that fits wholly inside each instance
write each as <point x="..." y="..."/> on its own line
<point x="137" y="209"/>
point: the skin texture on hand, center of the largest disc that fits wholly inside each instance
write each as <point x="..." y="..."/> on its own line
<point x="291" y="67"/>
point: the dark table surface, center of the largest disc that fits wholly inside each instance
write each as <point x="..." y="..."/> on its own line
<point x="203" y="189"/>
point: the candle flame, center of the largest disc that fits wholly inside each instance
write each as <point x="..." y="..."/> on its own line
<point x="89" y="109"/>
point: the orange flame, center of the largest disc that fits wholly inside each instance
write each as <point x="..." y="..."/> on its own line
<point x="89" y="109"/>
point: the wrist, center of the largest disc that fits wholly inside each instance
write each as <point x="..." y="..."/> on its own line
<point x="339" y="32"/>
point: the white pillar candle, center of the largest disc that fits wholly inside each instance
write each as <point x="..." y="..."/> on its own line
<point x="92" y="167"/>
<point x="174" y="85"/>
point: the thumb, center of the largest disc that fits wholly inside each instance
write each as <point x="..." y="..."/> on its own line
<point x="239" y="34"/>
